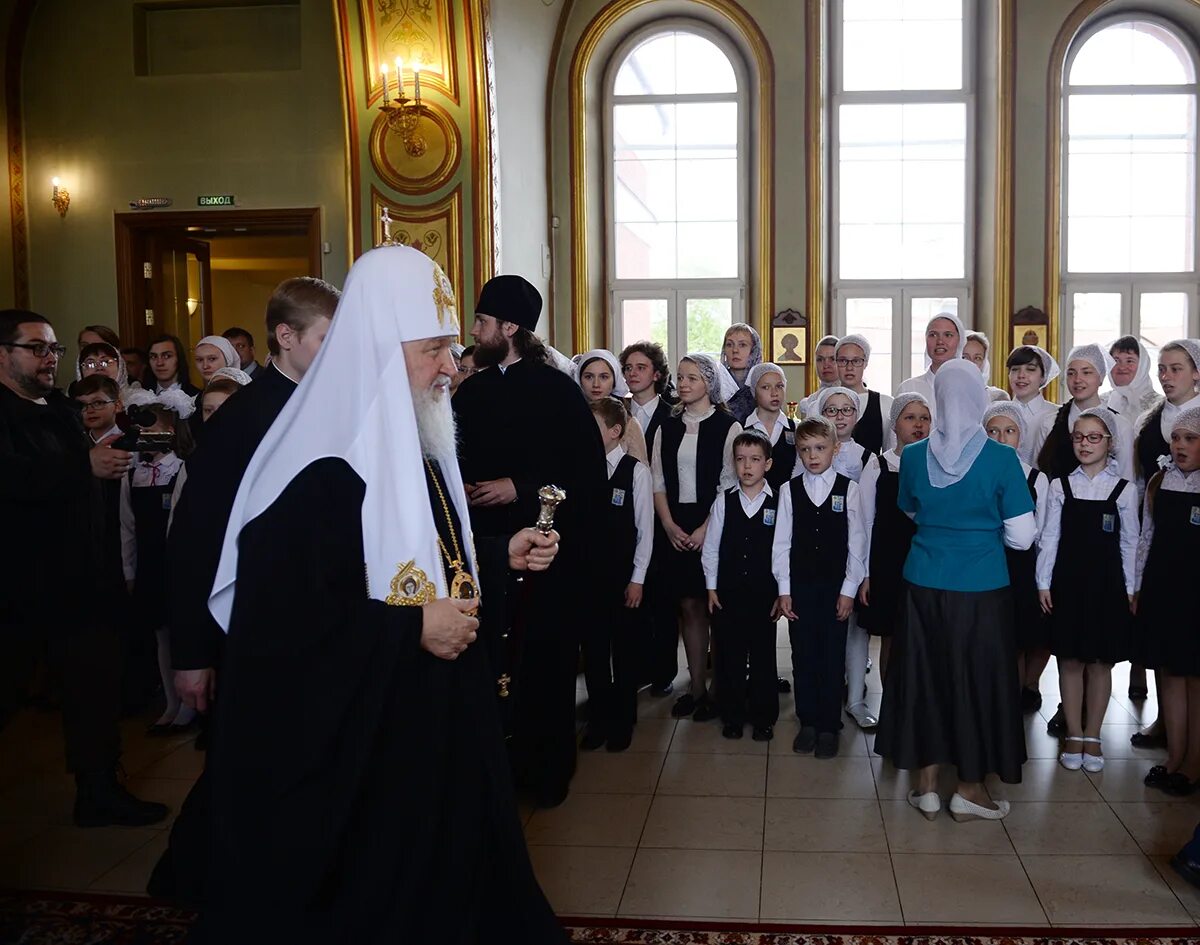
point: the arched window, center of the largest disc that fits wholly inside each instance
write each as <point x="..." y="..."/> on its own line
<point x="676" y="187"/>
<point x="1129" y="196"/>
<point x="901" y="136"/>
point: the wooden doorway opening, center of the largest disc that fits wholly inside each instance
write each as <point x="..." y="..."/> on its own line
<point x="192" y="273"/>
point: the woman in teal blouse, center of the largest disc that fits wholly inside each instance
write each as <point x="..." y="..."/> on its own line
<point x="951" y="695"/>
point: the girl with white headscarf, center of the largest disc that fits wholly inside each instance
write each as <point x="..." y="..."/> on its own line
<point x="945" y="339"/>
<point x="952" y="695"/>
<point x="1087" y="367"/>
<point x="825" y="366"/>
<point x="769" y="385"/>
<point x="1030" y="371"/>
<point x="853" y="354"/>
<point x="598" y="374"/>
<point x="208" y="361"/>
<point x="889" y="531"/>
<point x="99" y="357"/>
<point x="1178" y="361"/>
<point x="692" y="463"/>
<point x="1005" y="423"/>
<point x="841" y="407"/>
<point x="741" y="350"/>
<point x="976" y="351"/>
<point x="1165" y="640"/>
<point x="1086" y="571"/>
<point x="1133" y="390"/>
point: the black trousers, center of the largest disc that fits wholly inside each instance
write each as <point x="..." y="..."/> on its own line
<point x="88" y="661"/>
<point x="661" y="642"/>
<point x="743" y="630"/>
<point x="610" y="664"/>
<point x="818" y="655"/>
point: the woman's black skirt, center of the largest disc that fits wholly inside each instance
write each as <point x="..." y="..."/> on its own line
<point x="686" y="574"/>
<point x="952" y="694"/>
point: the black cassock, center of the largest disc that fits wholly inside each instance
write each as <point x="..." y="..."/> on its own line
<point x="531" y="423"/>
<point x="384" y="812"/>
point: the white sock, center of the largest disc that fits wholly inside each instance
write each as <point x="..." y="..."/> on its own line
<point x="858" y="644"/>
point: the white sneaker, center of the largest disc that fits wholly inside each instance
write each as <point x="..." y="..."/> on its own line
<point x="1092" y="763"/>
<point x="862" y="716"/>
<point x="962" y="810"/>
<point x="928" y="804"/>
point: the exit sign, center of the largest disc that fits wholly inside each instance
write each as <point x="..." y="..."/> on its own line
<point x="215" y="200"/>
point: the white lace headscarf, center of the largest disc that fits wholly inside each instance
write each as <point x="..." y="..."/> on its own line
<point x="717" y="379"/>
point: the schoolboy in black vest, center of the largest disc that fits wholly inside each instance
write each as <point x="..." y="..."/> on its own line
<point x="741" y="555"/>
<point x="611" y="648"/>
<point x="826" y="565"/>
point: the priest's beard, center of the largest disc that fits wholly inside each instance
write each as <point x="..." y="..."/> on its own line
<point x="435" y="422"/>
<point x="491" y="352"/>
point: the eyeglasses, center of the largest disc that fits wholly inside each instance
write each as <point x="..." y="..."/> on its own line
<point x="39" y="348"/>
<point x="92" y="365"/>
<point x="839" y="411"/>
<point x="1093" y="438"/>
<point x="851" y="362"/>
<point x="96" y="404"/>
<point x="463" y="369"/>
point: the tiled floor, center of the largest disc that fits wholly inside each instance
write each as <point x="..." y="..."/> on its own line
<point x="688" y="824"/>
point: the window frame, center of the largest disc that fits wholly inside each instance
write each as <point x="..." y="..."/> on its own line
<point x="1130" y="285"/>
<point x="675" y="290"/>
<point x="902" y="290"/>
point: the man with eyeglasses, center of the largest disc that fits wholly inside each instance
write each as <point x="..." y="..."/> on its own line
<point x="852" y="355"/>
<point x="48" y="491"/>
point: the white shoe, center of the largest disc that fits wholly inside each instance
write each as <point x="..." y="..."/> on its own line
<point x="862" y="716"/>
<point x="1092" y="763"/>
<point x="962" y="810"/>
<point x="1071" y="760"/>
<point x="928" y="804"/>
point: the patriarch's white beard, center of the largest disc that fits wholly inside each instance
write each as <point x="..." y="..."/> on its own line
<point x="435" y="424"/>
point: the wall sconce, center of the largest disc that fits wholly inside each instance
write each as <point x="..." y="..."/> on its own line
<point x="192" y="305"/>
<point x="404" y="113"/>
<point x="60" y="197"/>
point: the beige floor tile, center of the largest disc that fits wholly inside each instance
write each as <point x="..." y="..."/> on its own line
<point x="629" y="772"/>
<point x="851" y="744"/>
<point x="720" y="884"/>
<point x="591" y="820"/>
<point x="909" y="832"/>
<point x="1159" y="829"/>
<point x="838" y="778"/>
<point x="1039" y="744"/>
<point x="653" y="735"/>
<point x="705" y="823"/>
<point x="582" y="880"/>
<point x="817" y="887"/>
<point x="132" y="873"/>
<point x="719" y="775"/>
<point x="655" y="707"/>
<point x="184" y="763"/>
<point x="704" y="738"/>
<point x="1067" y="828"/>
<point x="894" y="784"/>
<point x="817" y="825"/>
<point x="1184" y="891"/>
<point x="1123" y="781"/>
<point x="70" y="858"/>
<point x="1108" y="890"/>
<point x="947" y="888"/>
<point x="1116" y="744"/>
<point x="1044" y="779"/>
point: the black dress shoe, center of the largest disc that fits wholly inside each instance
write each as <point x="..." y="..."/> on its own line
<point x="547" y="796"/>
<point x="706" y="709"/>
<point x="1188" y="869"/>
<point x="805" y="741"/>
<point x="732" y="731"/>
<point x="684" y="706"/>
<point x="827" y="745"/>
<point x="663" y="690"/>
<point x="619" y="742"/>
<point x="1178" y="784"/>
<point x="1149" y="739"/>
<point x="784" y="686"/>
<point x="1156" y="776"/>
<point x="1139" y="693"/>
<point x="763" y="733"/>
<point x="159" y="730"/>
<point x="1057" y="726"/>
<point x="592" y="739"/>
<point x="1031" y="700"/>
<point x="102" y="801"/>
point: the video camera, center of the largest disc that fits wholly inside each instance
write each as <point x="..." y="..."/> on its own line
<point x="134" y="440"/>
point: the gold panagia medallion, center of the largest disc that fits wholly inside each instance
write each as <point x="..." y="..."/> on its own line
<point x="411" y="587"/>
<point x="462" y="586"/>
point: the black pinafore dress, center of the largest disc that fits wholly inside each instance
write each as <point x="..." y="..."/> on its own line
<point x="1029" y="620"/>
<point x="891" y="538"/>
<point x="1169" y="634"/>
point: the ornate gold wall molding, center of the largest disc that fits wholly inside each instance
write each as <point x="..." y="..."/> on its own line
<point x="417" y="175"/>
<point x="486" y="162"/>
<point x="18" y="27"/>
<point x="761" y="281"/>
<point x="410" y="29"/>
<point x="1006" y="77"/>
<point x="436" y="230"/>
<point x="815" y="78"/>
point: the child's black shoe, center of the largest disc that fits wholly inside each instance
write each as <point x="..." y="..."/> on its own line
<point x="805" y="741"/>
<point x="763" y="733"/>
<point x="827" y="745"/>
<point x="731" y="731"/>
<point x="592" y="739"/>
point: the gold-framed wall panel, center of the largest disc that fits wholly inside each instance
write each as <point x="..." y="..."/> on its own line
<point x="761" y="281"/>
<point x="1006" y="71"/>
<point x="815" y="117"/>
<point x="445" y="53"/>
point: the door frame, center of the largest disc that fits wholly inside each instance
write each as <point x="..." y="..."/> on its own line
<point x="131" y="229"/>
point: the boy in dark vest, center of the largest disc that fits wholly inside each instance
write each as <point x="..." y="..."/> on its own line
<point x="742" y="554"/>
<point x="610" y="643"/>
<point x="820" y="516"/>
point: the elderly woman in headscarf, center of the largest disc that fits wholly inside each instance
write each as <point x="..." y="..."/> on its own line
<point x="945" y="339"/>
<point x="692" y="463"/>
<point x="740" y="351"/>
<point x="599" y="375"/>
<point x="952" y="696"/>
<point x="1133" y="390"/>
<point x="213" y="353"/>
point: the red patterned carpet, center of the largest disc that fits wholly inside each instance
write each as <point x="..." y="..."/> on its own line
<point x="37" y="918"/>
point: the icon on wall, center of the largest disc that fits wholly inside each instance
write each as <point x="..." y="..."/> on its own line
<point x="1029" y="335"/>
<point x="789" y="330"/>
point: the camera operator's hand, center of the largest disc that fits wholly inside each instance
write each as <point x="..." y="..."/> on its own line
<point x="196" y="687"/>
<point x="108" y="463"/>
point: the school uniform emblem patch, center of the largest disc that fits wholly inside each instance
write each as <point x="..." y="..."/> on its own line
<point x="1194" y="518"/>
<point x="839" y="503"/>
<point x="789" y="437"/>
<point x="1110" y="522"/>
<point x="768" y="517"/>
<point x="166" y="502"/>
<point x="618" y="497"/>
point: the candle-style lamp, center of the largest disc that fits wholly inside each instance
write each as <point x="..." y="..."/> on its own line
<point x="60" y="197"/>
<point x="402" y="113"/>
